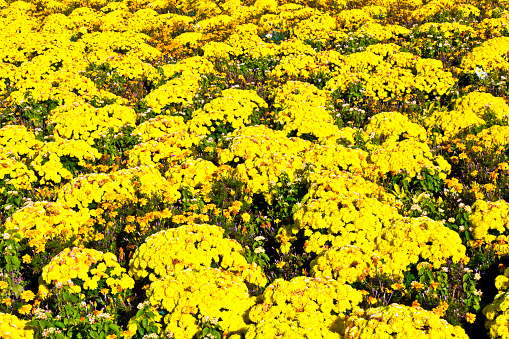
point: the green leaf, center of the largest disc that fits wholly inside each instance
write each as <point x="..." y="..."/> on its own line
<point x="467" y="235"/>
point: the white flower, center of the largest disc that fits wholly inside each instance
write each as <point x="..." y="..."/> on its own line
<point x="477" y="276"/>
<point x="259" y="238"/>
<point x="6" y="236"/>
<point x="481" y="74"/>
<point x="451" y="220"/>
<point x="259" y="250"/>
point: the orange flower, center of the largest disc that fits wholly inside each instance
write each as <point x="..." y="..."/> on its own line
<point x="470" y="317"/>
<point x="25" y="309"/>
<point x="417" y="285"/>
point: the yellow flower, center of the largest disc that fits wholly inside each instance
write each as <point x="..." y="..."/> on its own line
<point x="3" y="285"/>
<point x="27" y="259"/>
<point x="27" y="295"/>
<point x="246" y="217"/>
<point x="130" y="228"/>
<point x="280" y="264"/>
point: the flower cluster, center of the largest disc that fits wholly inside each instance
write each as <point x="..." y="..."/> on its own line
<point x="487" y="218"/>
<point x="118" y="186"/>
<point x="82" y="121"/>
<point x="400" y="320"/>
<point x="194" y="246"/>
<point x="11" y="327"/>
<point x="83" y="269"/>
<point x="209" y="292"/>
<point x="51" y="164"/>
<point x="41" y="221"/>
<point x="233" y="109"/>
<point x="312" y="305"/>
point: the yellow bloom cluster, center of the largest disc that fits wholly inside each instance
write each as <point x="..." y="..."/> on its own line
<point x="391" y="127"/>
<point x="493" y="27"/>
<point x="119" y="186"/>
<point x="85" y="17"/>
<point x="160" y="126"/>
<point x="190" y="39"/>
<point x="266" y="154"/>
<point x="249" y="43"/>
<point x="197" y="175"/>
<point x="294" y="67"/>
<point x="432" y="8"/>
<point x="344" y="210"/>
<point x="88" y="265"/>
<point x="386" y="73"/>
<point x="304" y="109"/>
<point x="216" y="50"/>
<point x="493" y="137"/>
<point x="233" y="108"/>
<point x="380" y="32"/>
<point x="497" y="313"/>
<point x="467" y="10"/>
<point x="62" y="86"/>
<point x="408" y="156"/>
<point x="131" y="66"/>
<point x="502" y="281"/>
<point x="340" y="205"/>
<point x="284" y="328"/>
<point x="193" y="298"/>
<point x="181" y="90"/>
<point x="118" y="42"/>
<point x="48" y="163"/>
<point x="18" y="141"/>
<point x="82" y="121"/>
<point x="193" y="246"/>
<point x="400" y="321"/>
<point x="489" y="56"/>
<point x="447" y="29"/>
<point x="286" y="16"/>
<point x="144" y="20"/>
<point x="479" y="103"/>
<point x="41" y="221"/>
<point x="294" y="47"/>
<point x="348" y="264"/>
<point x="487" y="216"/>
<point x="16" y="173"/>
<point x="195" y="65"/>
<point x="497" y="316"/>
<point x="336" y="156"/>
<point x="11" y="327"/>
<point x="316" y="304"/>
<point x="353" y="19"/>
<point x="452" y="122"/>
<point x="316" y="28"/>
<point x="171" y="147"/>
